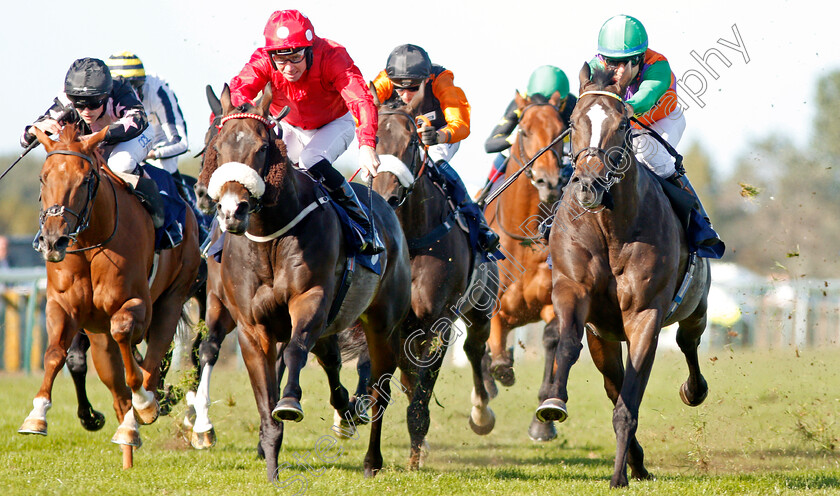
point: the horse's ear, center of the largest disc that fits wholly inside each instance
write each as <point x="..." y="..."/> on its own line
<point x="417" y="101"/>
<point x="265" y="101"/>
<point x="373" y="92"/>
<point x="521" y="101"/>
<point x="625" y="78"/>
<point x="45" y="140"/>
<point x="91" y="141"/>
<point x="585" y="75"/>
<point x="225" y="100"/>
<point x="213" y="100"/>
<point x="556" y="99"/>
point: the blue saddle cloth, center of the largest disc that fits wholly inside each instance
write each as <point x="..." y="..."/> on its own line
<point x="349" y="228"/>
<point x="175" y="209"/>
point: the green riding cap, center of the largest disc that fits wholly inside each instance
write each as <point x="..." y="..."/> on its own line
<point x="547" y="79"/>
<point x="622" y="37"/>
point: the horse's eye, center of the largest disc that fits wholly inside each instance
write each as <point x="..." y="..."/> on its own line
<point x="264" y="148"/>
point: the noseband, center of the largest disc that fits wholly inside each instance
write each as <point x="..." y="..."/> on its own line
<point x="414" y="144"/>
<point x="614" y="173"/>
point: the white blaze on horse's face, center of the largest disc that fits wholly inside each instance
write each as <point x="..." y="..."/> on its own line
<point x="597" y="116"/>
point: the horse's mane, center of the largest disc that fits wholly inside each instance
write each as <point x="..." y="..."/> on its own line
<point x="278" y="167"/>
<point x="603" y="78"/>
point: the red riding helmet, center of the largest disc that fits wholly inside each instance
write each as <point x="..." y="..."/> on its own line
<point x="288" y="31"/>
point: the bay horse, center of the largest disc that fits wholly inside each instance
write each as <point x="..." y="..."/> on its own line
<point x="525" y="278"/>
<point x="112" y="284"/>
<point x="219" y="323"/>
<point x="619" y="255"/>
<point x="282" y="269"/>
<point x="443" y="266"/>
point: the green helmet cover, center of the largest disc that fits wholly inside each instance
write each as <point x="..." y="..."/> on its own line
<point x="547" y="79"/>
<point x="622" y="36"/>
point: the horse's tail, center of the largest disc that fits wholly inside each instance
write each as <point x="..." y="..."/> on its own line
<point x="352" y="342"/>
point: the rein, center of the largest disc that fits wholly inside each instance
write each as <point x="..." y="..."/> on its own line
<point x="415" y="155"/>
<point x="82" y="218"/>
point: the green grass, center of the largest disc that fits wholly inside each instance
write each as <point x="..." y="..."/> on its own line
<point x="769" y="426"/>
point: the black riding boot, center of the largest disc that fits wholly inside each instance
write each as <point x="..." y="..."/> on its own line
<point x="488" y="240"/>
<point x="150" y="197"/>
<point x="343" y="194"/>
<point x="683" y="183"/>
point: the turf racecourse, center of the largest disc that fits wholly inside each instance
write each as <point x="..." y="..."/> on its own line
<point x="769" y="426"/>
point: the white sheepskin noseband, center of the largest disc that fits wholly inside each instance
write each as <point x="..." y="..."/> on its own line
<point x="390" y="163"/>
<point x="238" y="172"/>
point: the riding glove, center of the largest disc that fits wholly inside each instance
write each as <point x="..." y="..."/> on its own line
<point x="428" y="135"/>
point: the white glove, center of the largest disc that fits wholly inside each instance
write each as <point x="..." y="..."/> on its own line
<point x="368" y="160"/>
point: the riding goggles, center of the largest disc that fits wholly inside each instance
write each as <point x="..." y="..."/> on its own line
<point x="612" y="62"/>
<point x="288" y="58"/>
<point x="81" y="103"/>
<point x="407" y="84"/>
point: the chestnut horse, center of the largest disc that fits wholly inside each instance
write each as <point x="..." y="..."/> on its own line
<point x="443" y="266"/>
<point x="525" y="284"/>
<point x="283" y="267"/>
<point x="108" y="284"/>
<point x="618" y="267"/>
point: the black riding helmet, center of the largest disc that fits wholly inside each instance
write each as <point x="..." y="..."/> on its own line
<point x="88" y="77"/>
<point x="408" y="64"/>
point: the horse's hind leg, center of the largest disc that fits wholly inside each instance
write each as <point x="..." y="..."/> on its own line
<point x="695" y="389"/>
<point x="417" y="412"/>
<point x="108" y="363"/>
<point x="501" y="365"/>
<point x="482" y="419"/>
<point x="328" y="353"/>
<point x="607" y="358"/>
<point x="546" y="431"/>
<point x="77" y="365"/>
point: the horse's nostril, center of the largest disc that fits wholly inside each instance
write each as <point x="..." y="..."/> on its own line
<point x="242" y="208"/>
<point x="62" y="243"/>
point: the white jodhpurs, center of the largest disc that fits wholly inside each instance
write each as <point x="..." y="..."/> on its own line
<point x="307" y="147"/>
<point x="125" y="156"/>
<point x="651" y="152"/>
<point x="443" y="151"/>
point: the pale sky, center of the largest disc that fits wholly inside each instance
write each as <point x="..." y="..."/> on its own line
<point x="492" y="47"/>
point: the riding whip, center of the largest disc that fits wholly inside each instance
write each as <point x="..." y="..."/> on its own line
<point x="35" y="143"/>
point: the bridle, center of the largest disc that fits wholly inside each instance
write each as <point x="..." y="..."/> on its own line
<point x="614" y="173"/>
<point x="82" y="217"/>
<point x="255" y="203"/>
<point x="521" y="142"/>
<point x="529" y="171"/>
<point x="418" y="162"/>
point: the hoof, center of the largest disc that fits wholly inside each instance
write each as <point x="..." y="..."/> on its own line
<point x="203" y="440"/>
<point x="342" y="428"/>
<point x="33" y="426"/>
<point x="697" y="401"/>
<point x="542" y="431"/>
<point x="127" y="436"/>
<point x="147" y="415"/>
<point x="552" y="409"/>
<point x="92" y="421"/>
<point x="288" y="409"/>
<point x="489" y="421"/>
<point x="503" y="373"/>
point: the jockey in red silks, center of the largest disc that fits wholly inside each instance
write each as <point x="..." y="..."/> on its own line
<point x="328" y="99"/>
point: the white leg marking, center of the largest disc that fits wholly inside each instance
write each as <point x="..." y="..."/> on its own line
<point x="142" y="399"/>
<point x="202" y="402"/>
<point x="39" y="409"/>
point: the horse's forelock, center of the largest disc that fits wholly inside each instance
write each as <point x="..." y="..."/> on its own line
<point x="603" y="78"/>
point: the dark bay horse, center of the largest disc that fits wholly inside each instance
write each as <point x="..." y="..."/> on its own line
<point x="283" y="267"/>
<point x="618" y="263"/>
<point x="219" y="323"/>
<point x="443" y="267"/>
<point x="98" y="242"/>
<point x="525" y="284"/>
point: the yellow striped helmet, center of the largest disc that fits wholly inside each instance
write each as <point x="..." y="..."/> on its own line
<point x="128" y="66"/>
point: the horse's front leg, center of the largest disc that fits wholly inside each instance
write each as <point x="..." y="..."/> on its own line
<point x="260" y="354"/>
<point x="546" y="431"/>
<point x="308" y="316"/>
<point x="571" y="305"/>
<point x="642" y="332"/>
<point x="61" y="329"/>
<point x="127" y="324"/>
<point x="501" y="365"/>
